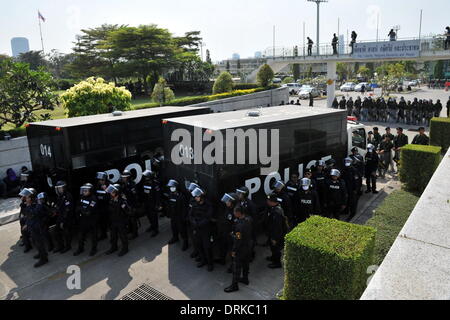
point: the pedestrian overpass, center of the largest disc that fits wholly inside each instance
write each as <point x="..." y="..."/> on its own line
<point x="411" y="49"/>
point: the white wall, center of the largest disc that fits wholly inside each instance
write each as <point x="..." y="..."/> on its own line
<point x="14" y="154"/>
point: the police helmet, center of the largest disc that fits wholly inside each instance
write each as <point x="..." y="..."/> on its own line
<point x="197" y="192"/>
<point x="113" y="188"/>
<point x="229" y="197"/>
<point x="27" y="192"/>
<point x="354" y="149"/>
<point x="148" y="174"/>
<point x="305" y="182"/>
<point x="87" y="187"/>
<point x="102" y="176"/>
<point x="279" y="185"/>
<point x="193" y="186"/>
<point x="331" y="162"/>
<point x="348" y="162"/>
<point x="42" y="196"/>
<point x="243" y="191"/>
<point x="320" y="163"/>
<point x="173" y="184"/>
<point x="24" y="176"/>
<point x="126" y="174"/>
<point x="273" y="197"/>
<point x="335" y="173"/>
<point x="371" y="147"/>
<point x="60" y="187"/>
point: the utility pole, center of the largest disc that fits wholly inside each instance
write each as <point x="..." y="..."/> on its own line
<point x="273" y="42"/>
<point x="420" y="27"/>
<point x="318" y="2"/>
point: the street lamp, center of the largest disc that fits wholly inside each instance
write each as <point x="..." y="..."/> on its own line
<point x="318" y="2"/>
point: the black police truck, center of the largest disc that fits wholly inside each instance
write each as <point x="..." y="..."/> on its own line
<point x="75" y="149"/>
<point x="305" y="135"/>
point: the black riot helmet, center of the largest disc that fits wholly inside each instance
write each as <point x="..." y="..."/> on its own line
<point x="86" y="189"/>
<point x="102" y="176"/>
<point x="279" y="185"/>
<point x="42" y="197"/>
<point x="193" y="186"/>
<point x="60" y="187"/>
<point x="149" y="175"/>
<point x="243" y="192"/>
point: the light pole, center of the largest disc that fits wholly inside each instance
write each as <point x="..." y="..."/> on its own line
<point x="318" y="2"/>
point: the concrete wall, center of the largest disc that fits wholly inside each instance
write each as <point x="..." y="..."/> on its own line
<point x="260" y="99"/>
<point x="14" y="154"/>
<point x="418" y="264"/>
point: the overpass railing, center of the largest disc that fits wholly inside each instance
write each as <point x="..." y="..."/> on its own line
<point x="427" y="44"/>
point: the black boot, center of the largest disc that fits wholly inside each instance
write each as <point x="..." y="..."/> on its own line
<point x="123" y="252"/>
<point x="185" y="246"/>
<point x="173" y="241"/>
<point x="244" y="280"/>
<point x="78" y="252"/>
<point x="41" y="262"/>
<point x="233" y="288"/>
<point x="194" y="254"/>
<point x="38" y="256"/>
<point x="201" y="264"/>
<point x="154" y="233"/>
<point x="93" y="252"/>
<point x="27" y="249"/>
<point x="275" y="265"/>
<point x="57" y="249"/>
<point x="67" y="249"/>
<point x="111" y="251"/>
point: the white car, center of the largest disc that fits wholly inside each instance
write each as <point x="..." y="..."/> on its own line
<point x="349" y="86"/>
<point x="358" y="87"/>
<point x="304" y="93"/>
<point x="294" y="88"/>
<point x="413" y="83"/>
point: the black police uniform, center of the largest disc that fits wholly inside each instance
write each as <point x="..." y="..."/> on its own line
<point x="286" y="204"/>
<point x="335" y="197"/>
<point x="177" y="210"/>
<point x="35" y="223"/>
<point x="25" y="233"/>
<point x="131" y="195"/>
<point x="250" y="210"/>
<point x="87" y="212"/>
<point x="200" y="217"/>
<point x="320" y="179"/>
<point x="399" y="142"/>
<point x="277" y="231"/>
<point x="358" y="164"/>
<point x="102" y="208"/>
<point x="225" y="223"/>
<point x="421" y="140"/>
<point x="64" y="222"/>
<point x="352" y="182"/>
<point x="151" y="196"/>
<point x="372" y="160"/>
<point x="242" y="248"/>
<point x="119" y="213"/>
<point x="308" y="204"/>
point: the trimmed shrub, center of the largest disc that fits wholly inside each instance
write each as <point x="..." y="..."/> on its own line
<point x="417" y="166"/>
<point x="224" y="83"/>
<point x="440" y="133"/>
<point x="245" y="86"/>
<point x="265" y="76"/>
<point x="327" y="259"/>
<point x="162" y="93"/>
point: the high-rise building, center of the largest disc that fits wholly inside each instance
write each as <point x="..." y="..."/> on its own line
<point x="236" y="56"/>
<point x="258" y="54"/>
<point x="19" y="46"/>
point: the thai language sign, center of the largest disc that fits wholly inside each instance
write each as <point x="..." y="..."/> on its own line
<point x="390" y="49"/>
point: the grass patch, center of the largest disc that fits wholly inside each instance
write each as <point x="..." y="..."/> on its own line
<point x="389" y="219"/>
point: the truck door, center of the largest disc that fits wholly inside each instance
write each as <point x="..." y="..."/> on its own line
<point x="358" y="139"/>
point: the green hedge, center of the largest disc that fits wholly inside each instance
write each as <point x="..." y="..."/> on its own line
<point x="327" y="260"/>
<point x="14" y="133"/>
<point x="245" y="86"/>
<point x="417" y="166"/>
<point x="440" y="133"/>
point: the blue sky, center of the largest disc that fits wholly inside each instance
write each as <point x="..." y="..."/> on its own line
<point x="243" y="26"/>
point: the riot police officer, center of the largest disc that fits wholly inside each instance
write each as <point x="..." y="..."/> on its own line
<point x="308" y="202"/>
<point x="225" y="224"/>
<point x="87" y="213"/>
<point x="421" y="138"/>
<point x="190" y="187"/>
<point x="102" y="204"/>
<point x="284" y="200"/>
<point x="177" y="208"/>
<point x="26" y="196"/>
<point x="200" y="217"/>
<point x="119" y="212"/>
<point x="241" y="249"/>
<point x="352" y="181"/>
<point x="336" y="196"/>
<point x="151" y="195"/>
<point x="320" y="177"/>
<point x="65" y="218"/>
<point x="250" y="210"/>
<point x="35" y="224"/>
<point x="277" y="230"/>
<point x="358" y="164"/>
<point x="293" y="186"/>
<point x="371" y="167"/>
<point x="48" y="219"/>
<point x="129" y="190"/>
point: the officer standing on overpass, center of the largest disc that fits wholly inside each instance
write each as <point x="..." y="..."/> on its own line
<point x="334" y="44"/>
<point x="447" y="40"/>
<point x="241" y="249"/>
<point x="310" y="45"/>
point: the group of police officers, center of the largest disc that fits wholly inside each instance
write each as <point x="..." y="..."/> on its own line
<point x="417" y="112"/>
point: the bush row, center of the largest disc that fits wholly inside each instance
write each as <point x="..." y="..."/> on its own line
<point x="417" y="166"/>
<point x="440" y="133"/>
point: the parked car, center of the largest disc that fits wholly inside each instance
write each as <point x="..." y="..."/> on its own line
<point x="358" y="87"/>
<point x="348" y="86"/>
<point x="413" y="83"/>
<point x="294" y="88"/>
<point x="304" y="93"/>
<point x="277" y="80"/>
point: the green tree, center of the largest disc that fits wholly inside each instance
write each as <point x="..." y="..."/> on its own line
<point x="95" y="96"/>
<point x="439" y="70"/>
<point x="162" y="93"/>
<point x="265" y="76"/>
<point x="228" y="66"/>
<point x="23" y="92"/>
<point x="208" y="57"/>
<point x="365" y="72"/>
<point x="389" y="75"/>
<point x="288" y="80"/>
<point x="224" y="83"/>
<point x="35" y="59"/>
<point x="59" y="64"/>
<point x="296" y="71"/>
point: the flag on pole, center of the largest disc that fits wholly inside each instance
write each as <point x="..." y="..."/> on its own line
<point x="40" y="16"/>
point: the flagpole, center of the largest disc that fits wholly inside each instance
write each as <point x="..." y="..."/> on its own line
<point x="40" y="31"/>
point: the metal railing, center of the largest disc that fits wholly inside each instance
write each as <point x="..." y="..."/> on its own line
<point x="427" y="44"/>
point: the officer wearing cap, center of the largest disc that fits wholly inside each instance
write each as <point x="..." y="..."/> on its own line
<point x="87" y="213"/>
<point x="336" y="196"/>
<point x="353" y="181"/>
<point x="119" y="212"/>
<point x="293" y="186"/>
<point x="200" y="216"/>
<point x="225" y="224"/>
<point x="376" y="138"/>
<point x="65" y="218"/>
<point x="241" y="249"/>
<point x="284" y="200"/>
<point x="278" y="226"/>
<point x="151" y="195"/>
<point x="176" y="210"/>
<point x="130" y="192"/>
<point x="47" y="220"/>
<point x="102" y="204"/>
<point x="421" y="138"/>
<point x="308" y="202"/>
<point x="371" y="164"/>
